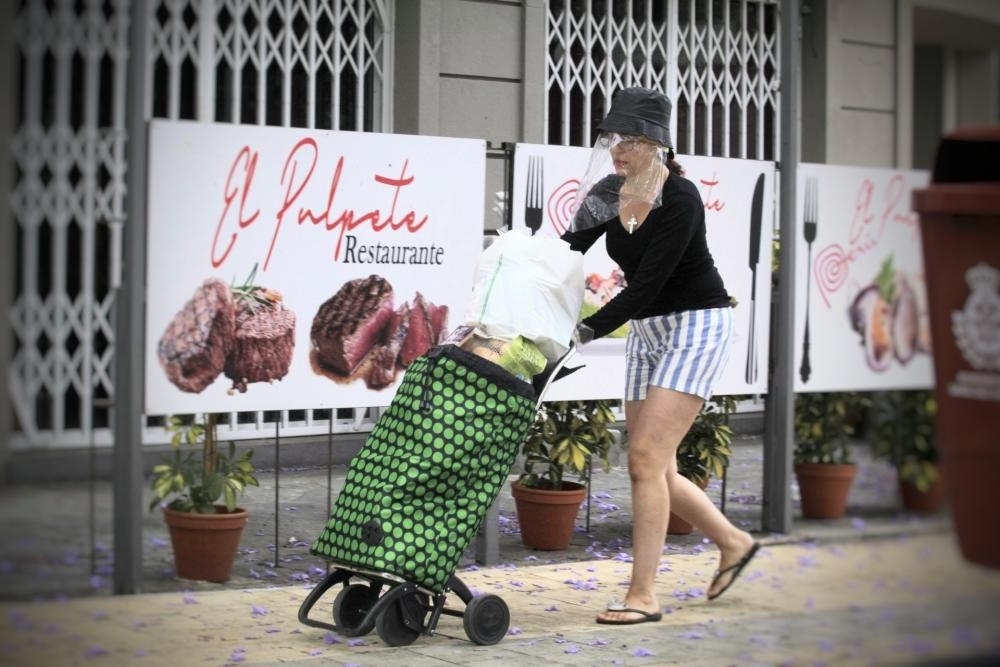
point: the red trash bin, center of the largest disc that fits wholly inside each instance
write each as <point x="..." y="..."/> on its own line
<point x="960" y="228"/>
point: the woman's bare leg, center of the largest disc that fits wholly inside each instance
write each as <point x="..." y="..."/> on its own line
<point x="656" y="426"/>
<point x="690" y="503"/>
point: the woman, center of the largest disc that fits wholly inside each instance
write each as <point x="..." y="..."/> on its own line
<point x="653" y="221"/>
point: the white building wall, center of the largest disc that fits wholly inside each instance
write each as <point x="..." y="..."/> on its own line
<point x="861" y="76"/>
<point x="868" y="72"/>
<point x="460" y="72"/>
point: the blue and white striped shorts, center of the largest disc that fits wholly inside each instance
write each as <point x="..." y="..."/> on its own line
<point x="684" y="351"/>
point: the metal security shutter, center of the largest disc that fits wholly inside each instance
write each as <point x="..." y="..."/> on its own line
<point x="302" y="63"/>
<point x="717" y="60"/>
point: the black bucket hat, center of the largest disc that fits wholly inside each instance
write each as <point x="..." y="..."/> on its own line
<point x="640" y="111"/>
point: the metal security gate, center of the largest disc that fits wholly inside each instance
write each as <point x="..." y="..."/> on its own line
<point x="717" y="60"/>
<point x="242" y="61"/>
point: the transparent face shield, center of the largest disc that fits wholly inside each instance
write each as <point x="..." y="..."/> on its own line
<point x="623" y="170"/>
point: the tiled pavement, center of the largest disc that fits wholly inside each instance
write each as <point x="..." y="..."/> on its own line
<point x="878" y="587"/>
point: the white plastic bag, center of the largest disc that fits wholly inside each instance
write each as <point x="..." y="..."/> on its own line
<point x="529" y="286"/>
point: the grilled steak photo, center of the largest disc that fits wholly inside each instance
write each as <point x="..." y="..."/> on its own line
<point x="382" y="370"/>
<point x="194" y="347"/>
<point x="350" y="323"/>
<point x="426" y="324"/>
<point x="263" y="339"/>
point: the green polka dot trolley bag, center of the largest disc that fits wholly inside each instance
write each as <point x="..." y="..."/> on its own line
<point x="415" y="496"/>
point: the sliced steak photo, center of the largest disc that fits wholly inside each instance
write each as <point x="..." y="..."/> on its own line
<point x="426" y="325"/>
<point x="383" y="368"/>
<point x="263" y="341"/>
<point x="194" y="347"/>
<point x="350" y="323"/>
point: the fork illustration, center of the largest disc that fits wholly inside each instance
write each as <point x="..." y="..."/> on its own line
<point x="534" y="195"/>
<point x="810" y="210"/>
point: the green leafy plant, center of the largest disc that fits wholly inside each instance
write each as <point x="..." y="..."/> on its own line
<point x="196" y="480"/>
<point x="706" y="447"/>
<point x="903" y="434"/>
<point x="824" y="422"/>
<point x="565" y="437"/>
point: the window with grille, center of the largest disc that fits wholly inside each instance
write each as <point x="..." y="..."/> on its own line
<point x="301" y="63"/>
<point x="717" y="60"/>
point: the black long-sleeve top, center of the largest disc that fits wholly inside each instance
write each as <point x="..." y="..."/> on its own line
<point x="667" y="265"/>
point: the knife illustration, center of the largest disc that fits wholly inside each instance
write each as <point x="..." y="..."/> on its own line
<point x="756" y="215"/>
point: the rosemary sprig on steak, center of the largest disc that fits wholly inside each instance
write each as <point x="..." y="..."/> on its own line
<point x="254" y="296"/>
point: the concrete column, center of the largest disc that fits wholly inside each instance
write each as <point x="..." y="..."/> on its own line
<point x="127" y="506"/>
<point x="904" y="84"/>
<point x="779" y="434"/>
<point x="8" y="126"/>
<point x="533" y="76"/>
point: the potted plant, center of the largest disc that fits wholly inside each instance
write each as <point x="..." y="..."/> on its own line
<point x="823" y="465"/>
<point x="564" y="438"/>
<point x="705" y="450"/>
<point x="198" y="491"/>
<point x="903" y="434"/>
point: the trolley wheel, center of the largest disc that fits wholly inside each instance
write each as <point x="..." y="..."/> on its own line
<point x="351" y="606"/>
<point x="391" y="623"/>
<point x="486" y="619"/>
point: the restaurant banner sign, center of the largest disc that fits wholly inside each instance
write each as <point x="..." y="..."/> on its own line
<point x="293" y="268"/>
<point x="738" y="196"/>
<point x="861" y="319"/>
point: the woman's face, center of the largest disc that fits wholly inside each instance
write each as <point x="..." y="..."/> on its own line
<point x="631" y="154"/>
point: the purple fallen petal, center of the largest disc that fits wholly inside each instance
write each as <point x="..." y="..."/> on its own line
<point x="642" y="652"/>
<point x="96" y="651"/>
<point x="964" y="637"/>
<point x="256" y="611"/>
<point x="189" y="599"/>
<point x="599" y="642"/>
<point x="514" y="631"/>
<point x="20" y="621"/>
<point x="99" y="614"/>
<point x="858" y="523"/>
<point x="552" y="607"/>
<point x="316" y="651"/>
<point x="97" y="582"/>
<point x="356" y="642"/>
<point x="572" y="648"/>
<point x="140" y="653"/>
<point x="331" y="638"/>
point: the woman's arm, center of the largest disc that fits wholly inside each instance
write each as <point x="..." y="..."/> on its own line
<point x="583" y="240"/>
<point x="673" y="232"/>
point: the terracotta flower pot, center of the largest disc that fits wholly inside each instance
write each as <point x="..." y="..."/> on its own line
<point x="824" y="488"/>
<point x="547" y="517"/>
<point x="677" y="525"/>
<point x="205" y="545"/>
<point x="924" y="502"/>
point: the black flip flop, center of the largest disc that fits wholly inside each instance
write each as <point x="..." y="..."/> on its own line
<point x="735" y="568"/>
<point x="644" y="616"/>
